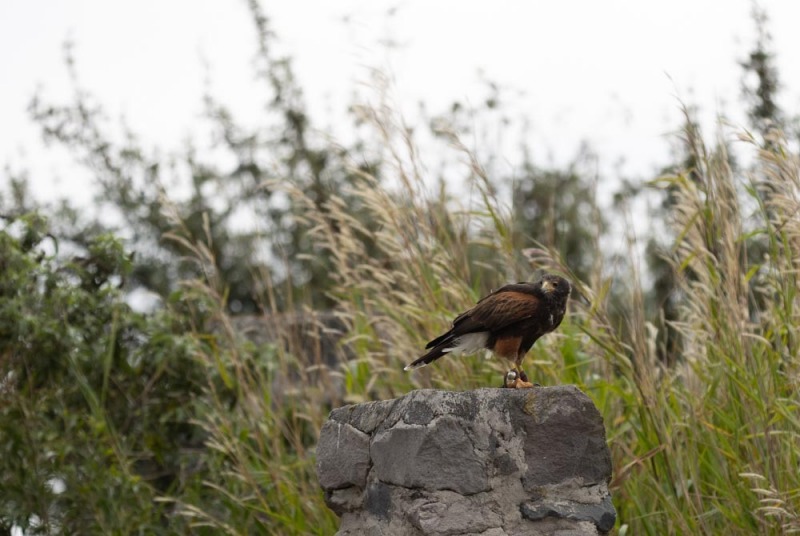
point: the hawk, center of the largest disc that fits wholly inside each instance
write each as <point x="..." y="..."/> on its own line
<point x="507" y="321"/>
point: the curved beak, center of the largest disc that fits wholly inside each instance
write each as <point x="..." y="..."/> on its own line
<point x="548" y="286"/>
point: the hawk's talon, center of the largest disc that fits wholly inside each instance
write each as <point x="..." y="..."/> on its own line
<point x="525" y="385"/>
<point x="525" y="381"/>
<point x="517" y="380"/>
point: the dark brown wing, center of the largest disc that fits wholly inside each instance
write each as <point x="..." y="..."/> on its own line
<point x="503" y="308"/>
<point x="525" y="288"/>
<point x="480" y="317"/>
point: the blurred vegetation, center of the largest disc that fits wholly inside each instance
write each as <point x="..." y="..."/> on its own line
<point x="182" y="420"/>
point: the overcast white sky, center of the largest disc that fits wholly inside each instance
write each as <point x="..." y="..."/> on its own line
<point x="607" y="72"/>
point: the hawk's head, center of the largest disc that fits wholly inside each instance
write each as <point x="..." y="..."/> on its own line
<point x="555" y="286"/>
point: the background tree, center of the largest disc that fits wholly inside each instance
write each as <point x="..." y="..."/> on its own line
<point x="760" y="82"/>
<point x="138" y="186"/>
<point x="557" y="209"/>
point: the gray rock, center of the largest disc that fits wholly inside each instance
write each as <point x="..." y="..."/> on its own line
<point x="342" y="456"/>
<point x="365" y="417"/>
<point x="602" y="515"/>
<point x="345" y="500"/>
<point x="565" y="437"/>
<point x="489" y="462"/>
<point x="492" y="532"/>
<point x="449" y="513"/>
<point x="436" y="457"/>
<point x="378" y="502"/>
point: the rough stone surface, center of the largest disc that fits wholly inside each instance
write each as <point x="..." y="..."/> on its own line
<point x="490" y="462"/>
<point x="343" y="455"/>
<point x="602" y="515"/>
<point x="444" y="457"/>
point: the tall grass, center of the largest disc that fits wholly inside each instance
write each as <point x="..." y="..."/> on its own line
<point x="707" y="445"/>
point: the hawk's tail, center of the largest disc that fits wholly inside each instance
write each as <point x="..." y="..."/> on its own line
<point x="435" y="353"/>
<point x="466" y="343"/>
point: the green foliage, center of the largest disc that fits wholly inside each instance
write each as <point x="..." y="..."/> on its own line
<point x="182" y="420"/>
<point x="175" y="421"/>
<point x="719" y="445"/>
<point x="136" y="416"/>
<point x="77" y="364"/>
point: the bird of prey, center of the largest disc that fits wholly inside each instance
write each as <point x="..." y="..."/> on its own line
<point x="507" y="321"/>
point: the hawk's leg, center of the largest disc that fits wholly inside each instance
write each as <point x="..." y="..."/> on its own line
<point x="510" y="379"/>
<point x="520" y="380"/>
